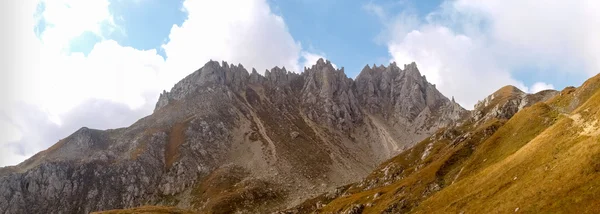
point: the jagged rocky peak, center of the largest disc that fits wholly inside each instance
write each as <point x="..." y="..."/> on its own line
<point x="374" y="86"/>
<point x="236" y="77"/>
<point x="255" y="77"/>
<point x="394" y="91"/>
<point x="280" y="77"/>
<point x="328" y="95"/>
<point x="507" y="101"/>
<point x="326" y="79"/>
<point x="411" y="69"/>
<point x="321" y="63"/>
<point x="212" y="73"/>
<point x="215" y="73"/>
<point x="222" y="115"/>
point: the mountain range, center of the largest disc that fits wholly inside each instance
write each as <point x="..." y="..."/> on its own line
<point x="228" y="140"/>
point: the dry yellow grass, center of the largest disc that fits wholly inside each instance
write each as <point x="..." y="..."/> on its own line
<point x="418" y="173"/>
<point x="557" y="171"/>
<point x="554" y="172"/>
<point x="545" y="159"/>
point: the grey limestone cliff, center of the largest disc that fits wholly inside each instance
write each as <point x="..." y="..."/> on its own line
<point x="227" y="140"/>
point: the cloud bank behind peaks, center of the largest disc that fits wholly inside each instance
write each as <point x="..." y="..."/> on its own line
<point x="470" y="48"/>
<point x="248" y="33"/>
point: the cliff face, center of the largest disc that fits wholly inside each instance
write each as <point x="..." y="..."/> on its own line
<point x="226" y="140"/>
<point x="404" y="105"/>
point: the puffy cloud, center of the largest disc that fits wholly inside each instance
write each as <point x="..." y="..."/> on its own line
<point x="65" y="20"/>
<point x="248" y="33"/>
<point x="459" y="65"/>
<point x="552" y="32"/>
<point x="540" y="86"/>
<point x="44" y="86"/>
<point x="110" y="71"/>
<point x="470" y="48"/>
<point x="48" y="92"/>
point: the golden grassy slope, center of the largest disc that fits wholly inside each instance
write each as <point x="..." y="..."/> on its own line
<point x="546" y="158"/>
<point x="402" y="182"/>
<point x="557" y="171"/>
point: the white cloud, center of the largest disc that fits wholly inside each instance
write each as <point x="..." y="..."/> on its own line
<point x="48" y="92"/>
<point x="457" y="64"/>
<point x="540" y="86"/>
<point x="248" y="33"/>
<point x="376" y="10"/>
<point x="11" y="156"/>
<point x="10" y="134"/>
<point x="110" y="71"/>
<point x="470" y="48"/>
<point x="67" y="19"/>
<point x="552" y="32"/>
<point x="43" y="85"/>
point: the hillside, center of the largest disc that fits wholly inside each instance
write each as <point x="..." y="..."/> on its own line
<point x="517" y="153"/>
<point x="226" y="140"/>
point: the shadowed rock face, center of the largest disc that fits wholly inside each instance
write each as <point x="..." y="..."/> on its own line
<point x="225" y="140"/>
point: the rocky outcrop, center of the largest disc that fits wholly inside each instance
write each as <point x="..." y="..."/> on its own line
<point x="329" y="96"/>
<point x="406" y="100"/>
<point x="507" y="101"/>
<point x="226" y="140"/>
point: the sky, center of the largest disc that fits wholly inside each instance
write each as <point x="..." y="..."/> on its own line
<point x="101" y="64"/>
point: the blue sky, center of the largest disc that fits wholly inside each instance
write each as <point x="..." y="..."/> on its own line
<point x="74" y="59"/>
<point x="143" y="25"/>
<point x="315" y="24"/>
<point x="353" y="44"/>
<point x="147" y="24"/>
<point x="343" y="31"/>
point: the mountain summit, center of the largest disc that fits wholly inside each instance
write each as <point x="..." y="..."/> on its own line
<point x="226" y="140"/>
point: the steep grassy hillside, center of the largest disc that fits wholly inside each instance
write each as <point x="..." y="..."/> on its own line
<point x="545" y="158"/>
<point x="557" y="170"/>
